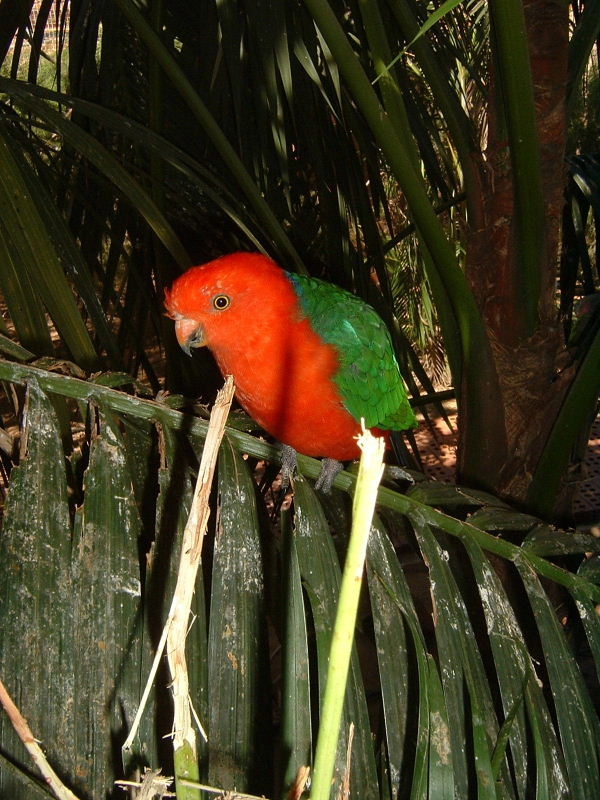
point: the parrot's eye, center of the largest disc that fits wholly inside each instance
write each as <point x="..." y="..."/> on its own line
<point x="221" y="302"/>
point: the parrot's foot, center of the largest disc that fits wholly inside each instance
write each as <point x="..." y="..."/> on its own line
<point x="289" y="465"/>
<point x="329" y="469"/>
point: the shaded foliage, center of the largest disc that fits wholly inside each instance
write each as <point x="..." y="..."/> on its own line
<point x="503" y="703"/>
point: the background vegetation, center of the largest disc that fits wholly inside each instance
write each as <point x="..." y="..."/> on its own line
<point x="442" y="165"/>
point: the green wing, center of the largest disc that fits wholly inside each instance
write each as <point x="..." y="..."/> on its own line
<point x="369" y="379"/>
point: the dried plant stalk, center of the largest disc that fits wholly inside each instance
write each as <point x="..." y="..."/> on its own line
<point x="177" y="625"/>
<point x="191" y="551"/>
<point x="23" y="730"/>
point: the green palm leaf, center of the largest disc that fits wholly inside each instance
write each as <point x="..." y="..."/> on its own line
<point x="471" y="678"/>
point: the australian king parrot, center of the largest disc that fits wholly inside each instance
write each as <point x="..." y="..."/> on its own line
<point x="309" y="359"/>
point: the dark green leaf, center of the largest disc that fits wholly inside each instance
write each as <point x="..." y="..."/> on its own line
<point x="36" y="598"/>
<point x="237" y="656"/>
<point x="32" y="251"/>
<point x="577" y="721"/>
<point x="107" y="604"/>
<point x="296" y="733"/>
<point x="393" y="611"/>
<point x="546" y="541"/>
<point x="460" y="667"/>
<point x="441" y="777"/>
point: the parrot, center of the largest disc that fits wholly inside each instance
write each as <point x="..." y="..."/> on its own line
<point x="309" y="359"/>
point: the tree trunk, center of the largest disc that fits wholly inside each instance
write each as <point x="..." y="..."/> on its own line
<point x="530" y="367"/>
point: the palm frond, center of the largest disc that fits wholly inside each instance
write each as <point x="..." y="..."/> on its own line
<point x="472" y="672"/>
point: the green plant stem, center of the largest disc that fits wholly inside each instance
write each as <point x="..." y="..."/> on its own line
<point x="437" y="72"/>
<point x="369" y="475"/>
<point x="420" y="513"/>
<point x="390" y="88"/>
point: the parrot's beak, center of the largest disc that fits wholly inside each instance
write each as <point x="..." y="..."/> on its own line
<point x="190" y="333"/>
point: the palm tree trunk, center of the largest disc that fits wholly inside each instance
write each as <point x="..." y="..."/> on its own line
<point x="527" y="358"/>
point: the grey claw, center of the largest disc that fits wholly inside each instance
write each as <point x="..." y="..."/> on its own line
<point x="289" y="465"/>
<point x="329" y="469"/>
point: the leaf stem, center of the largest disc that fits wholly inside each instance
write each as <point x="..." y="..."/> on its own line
<point x="369" y="475"/>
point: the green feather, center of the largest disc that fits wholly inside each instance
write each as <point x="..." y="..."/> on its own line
<point x="368" y="378"/>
